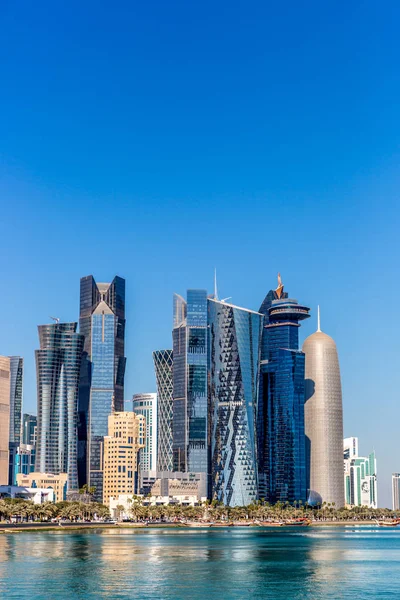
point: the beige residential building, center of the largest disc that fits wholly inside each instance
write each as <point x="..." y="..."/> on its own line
<point x="126" y="434"/>
<point x="57" y="483"/>
<point x="5" y="369"/>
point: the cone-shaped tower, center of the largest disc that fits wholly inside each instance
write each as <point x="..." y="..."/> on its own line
<point x="324" y="418"/>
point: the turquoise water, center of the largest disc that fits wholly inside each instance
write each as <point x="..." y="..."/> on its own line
<point x="228" y="564"/>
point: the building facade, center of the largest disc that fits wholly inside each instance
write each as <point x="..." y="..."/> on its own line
<point x="16" y="378"/>
<point x="146" y="405"/>
<point x="102" y="323"/>
<point x="5" y="376"/>
<point x="126" y="434"/>
<point x="324" y="418"/>
<point x="281" y="439"/>
<point x="58" y="483"/>
<point x="29" y="429"/>
<point x="57" y="369"/>
<point x="190" y="382"/>
<point x="163" y="363"/>
<point x="350" y="447"/>
<point x="360" y="481"/>
<point x="396" y="491"/>
<point x="235" y="338"/>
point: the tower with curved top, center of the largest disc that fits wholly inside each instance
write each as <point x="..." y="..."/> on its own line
<point x="280" y="415"/>
<point x="324" y="418"/>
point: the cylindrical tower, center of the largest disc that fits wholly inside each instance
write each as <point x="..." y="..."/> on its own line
<point x="324" y="418"/>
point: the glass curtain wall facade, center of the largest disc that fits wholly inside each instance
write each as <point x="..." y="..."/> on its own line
<point x="16" y="375"/>
<point x="281" y="438"/>
<point x="163" y="362"/>
<point x="29" y="429"/>
<point x="102" y="322"/>
<point x="235" y="339"/>
<point x="190" y="383"/>
<point x="57" y="369"/>
<point x="146" y="405"/>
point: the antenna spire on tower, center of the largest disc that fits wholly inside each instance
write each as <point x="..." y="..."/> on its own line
<point x="215" y="285"/>
<point x="319" y="320"/>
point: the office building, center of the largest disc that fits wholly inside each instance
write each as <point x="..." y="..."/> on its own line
<point x="360" y="480"/>
<point x="102" y="322"/>
<point x="281" y="440"/>
<point x="350" y="447"/>
<point x="163" y="362"/>
<point x="126" y="433"/>
<point x="396" y="491"/>
<point x="57" y="369"/>
<point x="58" y="483"/>
<point x="324" y="418"/>
<point x="29" y="429"/>
<point x="146" y="405"/>
<point x="16" y="375"/>
<point x="235" y="338"/>
<point x="5" y="372"/>
<point x="190" y="385"/>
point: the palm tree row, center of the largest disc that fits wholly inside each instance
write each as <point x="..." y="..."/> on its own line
<point x="262" y="511"/>
<point x="26" y="510"/>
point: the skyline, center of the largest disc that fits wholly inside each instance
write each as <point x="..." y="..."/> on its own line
<point x="178" y="139"/>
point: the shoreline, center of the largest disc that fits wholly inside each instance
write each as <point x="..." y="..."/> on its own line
<point x="19" y="528"/>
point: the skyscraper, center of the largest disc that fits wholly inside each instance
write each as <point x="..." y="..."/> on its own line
<point x="29" y="428"/>
<point x="360" y="484"/>
<point x="102" y="322"/>
<point x="324" y="418"/>
<point x="5" y="370"/>
<point x="396" y="491"/>
<point x="16" y="374"/>
<point x="190" y="385"/>
<point x="163" y="361"/>
<point x="235" y="338"/>
<point x="281" y="441"/>
<point x="146" y="405"/>
<point x="126" y="431"/>
<point x="57" y="369"/>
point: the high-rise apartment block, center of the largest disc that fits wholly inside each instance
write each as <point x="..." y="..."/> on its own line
<point x="360" y="472"/>
<point x="102" y="323"/>
<point x="281" y="439"/>
<point x="235" y="338"/>
<point x="324" y="418"/>
<point x="163" y="363"/>
<point x="146" y="405"/>
<point x="126" y="433"/>
<point x="57" y="366"/>
<point x="5" y="376"/>
<point x="396" y="491"/>
<point x="190" y="384"/>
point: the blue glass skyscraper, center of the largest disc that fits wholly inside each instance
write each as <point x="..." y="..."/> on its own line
<point x="190" y="386"/>
<point x="281" y="439"/>
<point x="57" y="367"/>
<point x="102" y="322"/>
<point x="235" y="339"/>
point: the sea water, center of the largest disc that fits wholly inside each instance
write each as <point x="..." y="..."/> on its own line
<point x="193" y="564"/>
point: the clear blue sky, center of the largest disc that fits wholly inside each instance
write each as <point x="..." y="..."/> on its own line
<point x="158" y="140"/>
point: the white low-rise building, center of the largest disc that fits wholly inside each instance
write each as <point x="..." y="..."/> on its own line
<point x="36" y="495"/>
<point x="121" y="507"/>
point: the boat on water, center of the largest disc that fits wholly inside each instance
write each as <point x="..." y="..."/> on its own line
<point x="389" y="523"/>
<point x="198" y="524"/>
<point x="302" y="522"/>
<point x="270" y="523"/>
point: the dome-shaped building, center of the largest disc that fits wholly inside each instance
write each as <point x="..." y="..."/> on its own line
<point x="323" y="416"/>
